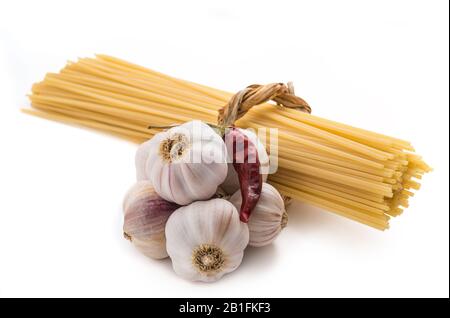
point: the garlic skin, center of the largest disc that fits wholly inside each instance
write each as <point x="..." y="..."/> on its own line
<point x="185" y="163"/>
<point x="268" y="217"/>
<point x="141" y="159"/>
<point x="145" y="217"/>
<point x="231" y="183"/>
<point x="206" y="240"/>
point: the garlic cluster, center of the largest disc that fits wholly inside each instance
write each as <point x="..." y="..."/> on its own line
<point x="231" y="183"/>
<point x="185" y="163"/>
<point x="206" y="240"/>
<point x="268" y="217"/>
<point x="145" y="217"/>
<point x="179" y="207"/>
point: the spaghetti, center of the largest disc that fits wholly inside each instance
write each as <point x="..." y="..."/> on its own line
<point x="365" y="176"/>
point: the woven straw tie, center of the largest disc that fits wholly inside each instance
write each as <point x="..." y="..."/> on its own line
<point x="242" y="101"/>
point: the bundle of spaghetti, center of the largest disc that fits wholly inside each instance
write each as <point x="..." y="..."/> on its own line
<point x="362" y="175"/>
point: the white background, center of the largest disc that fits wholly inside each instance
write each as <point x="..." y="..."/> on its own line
<point x="381" y="65"/>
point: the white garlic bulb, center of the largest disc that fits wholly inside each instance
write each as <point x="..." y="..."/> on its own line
<point x="185" y="163"/>
<point x="145" y="217"/>
<point x="231" y="183"/>
<point x="206" y="240"/>
<point x="268" y="217"/>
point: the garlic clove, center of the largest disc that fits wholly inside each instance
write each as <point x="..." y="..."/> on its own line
<point x="206" y="240"/>
<point x="145" y="217"/>
<point x="186" y="163"/>
<point x="268" y="217"/>
<point x="231" y="183"/>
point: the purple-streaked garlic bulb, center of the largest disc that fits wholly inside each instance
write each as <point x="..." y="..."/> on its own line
<point x="145" y="217"/>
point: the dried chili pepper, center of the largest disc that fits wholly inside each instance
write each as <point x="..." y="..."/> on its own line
<point x="247" y="166"/>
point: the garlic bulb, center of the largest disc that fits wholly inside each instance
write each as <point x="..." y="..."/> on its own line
<point x="231" y="183"/>
<point x="268" y="217"/>
<point x="145" y="217"/>
<point x="206" y="240"/>
<point x="185" y="163"/>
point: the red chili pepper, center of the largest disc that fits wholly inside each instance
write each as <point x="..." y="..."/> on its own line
<point x="247" y="166"/>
